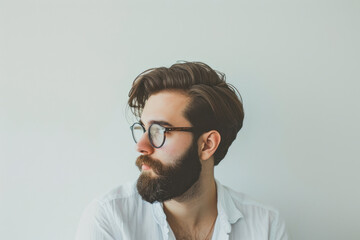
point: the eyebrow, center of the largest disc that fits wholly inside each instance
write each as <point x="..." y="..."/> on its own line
<point x="162" y="123"/>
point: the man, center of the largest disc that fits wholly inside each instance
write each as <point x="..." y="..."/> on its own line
<point x="188" y="118"/>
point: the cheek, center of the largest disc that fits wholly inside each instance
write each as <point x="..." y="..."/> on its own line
<point x="169" y="153"/>
<point x="175" y="147"/>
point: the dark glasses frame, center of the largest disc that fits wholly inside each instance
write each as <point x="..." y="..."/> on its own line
<point x="165" y="129"/>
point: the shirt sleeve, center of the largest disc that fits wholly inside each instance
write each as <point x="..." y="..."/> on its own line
<point x="278" y="229"/>
<point x="94" y="223"/>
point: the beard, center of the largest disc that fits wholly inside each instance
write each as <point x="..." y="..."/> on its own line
<point x="169" y="181"/>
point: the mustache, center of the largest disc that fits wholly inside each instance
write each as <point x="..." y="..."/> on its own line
<point x="155" y="164"/>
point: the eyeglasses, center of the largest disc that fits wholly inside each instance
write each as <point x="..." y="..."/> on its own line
<point x="156" y="133"/>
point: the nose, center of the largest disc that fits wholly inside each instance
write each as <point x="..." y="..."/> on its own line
<point x="144" y="146"/>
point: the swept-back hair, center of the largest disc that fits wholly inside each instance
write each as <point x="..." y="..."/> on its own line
<point x="215" y="104"/>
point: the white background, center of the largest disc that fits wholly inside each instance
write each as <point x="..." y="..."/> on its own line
<point x="66" y="68"/>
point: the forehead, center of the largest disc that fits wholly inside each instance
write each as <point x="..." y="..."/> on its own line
<point x="166" y="106"/>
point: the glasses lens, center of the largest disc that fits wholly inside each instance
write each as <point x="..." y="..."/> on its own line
<point x="157" y="134"/>
<point x="137" y="132"/>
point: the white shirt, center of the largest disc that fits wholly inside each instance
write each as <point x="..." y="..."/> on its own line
<point x="122" y="214"/>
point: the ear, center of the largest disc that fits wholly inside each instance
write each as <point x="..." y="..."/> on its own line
<point x="208" y="143"/>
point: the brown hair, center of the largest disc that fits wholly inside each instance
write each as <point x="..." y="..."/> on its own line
<point x="215" y="104"/>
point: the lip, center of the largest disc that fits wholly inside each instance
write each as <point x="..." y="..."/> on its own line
<point x="145" y="167"/>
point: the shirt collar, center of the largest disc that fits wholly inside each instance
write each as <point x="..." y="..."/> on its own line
<point x="227" y="209"/>
<point x="160" y="218"/>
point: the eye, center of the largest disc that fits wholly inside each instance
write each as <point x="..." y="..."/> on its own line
<point x="156" y="133"/>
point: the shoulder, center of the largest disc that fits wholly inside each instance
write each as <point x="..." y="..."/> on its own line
<point x="256" y="215"/>
<point x="121" y="192"/>
<point x="120" y="199"/>
<point x="108" y="214"/>
<point x="118" y="202"/>
<point x="247" y="204"/>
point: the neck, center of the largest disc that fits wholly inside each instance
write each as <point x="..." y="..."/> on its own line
<point x="197" y="208"/>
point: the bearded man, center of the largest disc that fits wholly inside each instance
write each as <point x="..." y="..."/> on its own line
<point x="188" y="117"/>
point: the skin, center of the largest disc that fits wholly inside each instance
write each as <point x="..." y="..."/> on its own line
<point x="192" y="214"/>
